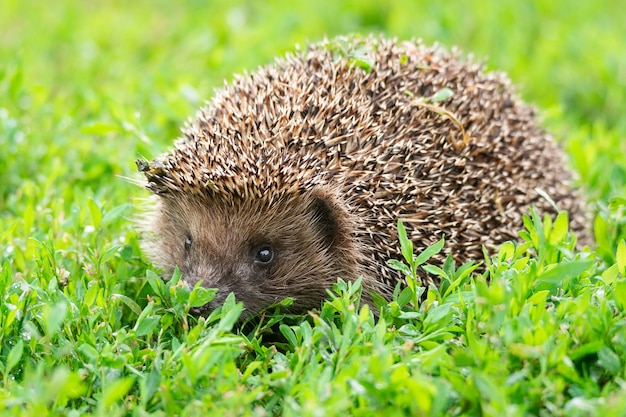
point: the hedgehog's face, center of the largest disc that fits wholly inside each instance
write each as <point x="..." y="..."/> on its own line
<point x="261" y="252"/>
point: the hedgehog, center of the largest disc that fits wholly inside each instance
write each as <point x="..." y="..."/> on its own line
<point x="294" y="176"/>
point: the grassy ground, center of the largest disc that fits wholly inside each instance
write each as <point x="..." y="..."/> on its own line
<point x="87" y="328"/>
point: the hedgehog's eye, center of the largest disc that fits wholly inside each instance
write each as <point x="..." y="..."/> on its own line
<point x="188" y="242"/>
<point x="263" y="255"/>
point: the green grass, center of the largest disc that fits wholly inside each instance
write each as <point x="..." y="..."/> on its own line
<point x="87" y="329"/>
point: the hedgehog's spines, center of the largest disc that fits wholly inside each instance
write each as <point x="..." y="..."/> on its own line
<point x="318" y="120"/>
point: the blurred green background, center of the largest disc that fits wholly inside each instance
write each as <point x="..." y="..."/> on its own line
<point x="87" y="87"/>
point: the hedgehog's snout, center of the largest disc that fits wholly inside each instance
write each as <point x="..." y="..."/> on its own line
<point x="220" y="296"/>
<point x="207" y="308"/>
<point x="226" y="276"/>
<point x="219" y="281"/>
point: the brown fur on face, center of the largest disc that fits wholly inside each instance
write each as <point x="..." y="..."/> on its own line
<point x="216" y="242"/>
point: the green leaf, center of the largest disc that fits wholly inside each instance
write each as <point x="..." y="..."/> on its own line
<point x="435" y="270"/>
<point x="399" y="266"/>
<point x="231" y="312"/>
<point x="132" y="304"/>
<point x="167" y="320"/>
<point x="507" y="251"/>
<point x="610" y="275"/>
<point x="114" y="392"/>
<point x="539" y="298"/>
<point x="147" y="325"/>
<point x="89" y="351"/>
<point x="55" y="316"/>
<point x="95" y="213"/>
<point x="441" y="95"/>
<point x="564" y="271"/>
<point x="156" y="283"/>
<point x="560" y="228"/>
<point x="108" y="254"/>
<point x="438" y="316"/>
<point x="116" y="213"/>
<point x="429" y="252"/>
<point x="586" y="349"/>
<point x="601" y="233"/>
<point x="620" y="257"/>
<point x="620" y="293"/>
<point x="91" y="294"/>
<point x="180" y="293"/>
<point x="361" y="57"/>
<point x="14" y="356"/>
<point x="405" y="296"/>
<point x="289" y="334"/>
<point x="616" y="203"/>
<point x="406" y="246"/>
<point x="609" y="360"/>
<point x="150" y="384"/>
<point x="144" y="314"/>
<point x="200" y="296"/>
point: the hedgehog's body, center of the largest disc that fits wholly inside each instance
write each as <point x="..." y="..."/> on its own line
<point x="296" y="174"/>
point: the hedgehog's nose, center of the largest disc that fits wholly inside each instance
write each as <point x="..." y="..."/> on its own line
<point x="206" y="309"/>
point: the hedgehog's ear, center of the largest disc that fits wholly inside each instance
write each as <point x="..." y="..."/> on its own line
<point x="327" y="212"/>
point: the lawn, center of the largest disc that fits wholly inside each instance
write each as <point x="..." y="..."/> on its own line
<point x="87" y="327"/>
